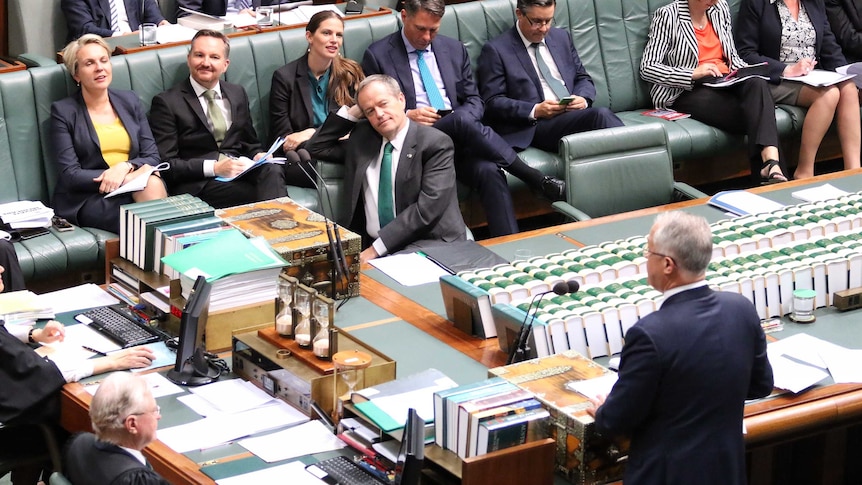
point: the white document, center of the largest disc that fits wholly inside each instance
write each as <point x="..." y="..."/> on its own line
<point x="855" y="68"/>
<point x="409" y="269"/>
<point x="138" y="183"/>
<point x="305" y="439"/>
<point x="819" y="193"/>
<point x="593" y="388"/>
<point x="170" y="33"/>
<point x="77" y="337"/>
<point x="422" y="400"/>
<point x="240" y="20"/>
<point x="251" y="164"/>
<point x="791" y="375"/>
<point x="220" y="429"/>
<point x="845" y="365"/>
<point x="233" y="396"/>
<point x="160" y="386"/>
<point x="78" y="297"/>
<point x="741" y="202"/>
<point x="819" y="77"/>
<point x="293" y="473"/>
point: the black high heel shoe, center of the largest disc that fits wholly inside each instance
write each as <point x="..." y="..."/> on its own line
<point x="771" y="177"/>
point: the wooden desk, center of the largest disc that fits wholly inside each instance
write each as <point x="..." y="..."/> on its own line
<point x="11" y="66"/>
<point x="806" y="439"/>
<point x="814" y="423"/>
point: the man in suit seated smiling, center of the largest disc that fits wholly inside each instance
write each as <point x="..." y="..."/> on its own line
<point x="400" y="175"/>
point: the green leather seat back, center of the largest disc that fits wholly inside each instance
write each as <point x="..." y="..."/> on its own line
<point x="627" y="168"/>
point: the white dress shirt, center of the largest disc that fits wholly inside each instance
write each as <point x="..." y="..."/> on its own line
<point x="221" y="102"/>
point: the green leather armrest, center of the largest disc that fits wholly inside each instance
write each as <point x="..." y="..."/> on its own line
<point x="35" y="60"/>
<point x="683" y="191"/>
<point x="568" y="210"/>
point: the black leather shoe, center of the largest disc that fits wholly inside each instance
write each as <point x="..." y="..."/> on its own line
<point x="553" y="188"/>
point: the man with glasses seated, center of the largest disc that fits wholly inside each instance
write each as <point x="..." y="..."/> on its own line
<point x="535" y="88"/>
<point x="124" y="416"/>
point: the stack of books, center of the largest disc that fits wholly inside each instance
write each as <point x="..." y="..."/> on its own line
<point x="25" y="214"/>
<point x="490" y="415"/>
<point x="242" y="271"/>
<point x="139" y="221"/>
<point x="23" y="307"/>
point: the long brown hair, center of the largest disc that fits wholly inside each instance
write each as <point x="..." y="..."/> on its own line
<point x="346" y="73"/>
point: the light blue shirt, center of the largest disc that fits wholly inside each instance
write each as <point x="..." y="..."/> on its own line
<point x="418" y="87"/>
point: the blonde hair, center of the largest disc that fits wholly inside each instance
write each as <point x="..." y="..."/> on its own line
<point x="70" y="52"/>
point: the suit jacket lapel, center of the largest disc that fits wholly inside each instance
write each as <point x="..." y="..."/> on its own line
<point x="84" y="115"/>
<point x="524" y="58"/>
<point x="560" y="53"/>
<point x="105" y="6"/>
<point x="447" y="73"/>
<point x="406" y="166"/>
<point x="194" y="103"/>
<point x="302" y="83"/>
<point x="129" y="123"/>
<point x="687" y="33"/>
<point x="398" y="58"/>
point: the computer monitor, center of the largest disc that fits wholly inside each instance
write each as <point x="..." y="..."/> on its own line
<point x="408" y="468"/>
<point x="192" y="367"/>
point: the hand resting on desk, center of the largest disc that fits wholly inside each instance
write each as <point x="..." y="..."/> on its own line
<point x="131" y="358"/>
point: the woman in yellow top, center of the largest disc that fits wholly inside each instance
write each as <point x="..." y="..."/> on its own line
<point x="101" y="141"/>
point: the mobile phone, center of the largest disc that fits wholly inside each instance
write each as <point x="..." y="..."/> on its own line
<point x="566" y="100"/>
<point x="444" y="112"/>
<point x="61" y="224"/>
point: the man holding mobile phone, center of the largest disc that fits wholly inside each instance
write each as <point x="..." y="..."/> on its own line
<point x="435" y="75"/>
<point x="535" y="88"/>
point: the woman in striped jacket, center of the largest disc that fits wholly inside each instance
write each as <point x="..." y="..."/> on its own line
<point x="690" y="41"/>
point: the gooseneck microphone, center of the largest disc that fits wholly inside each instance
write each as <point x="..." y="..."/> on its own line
<point x="520" y="348"/>
<point x="302" y="159"/>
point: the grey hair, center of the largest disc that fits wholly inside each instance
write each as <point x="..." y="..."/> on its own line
<point x="388" y="82"/>
<point x="684" y="237"/>
<point x="120" y="395"/>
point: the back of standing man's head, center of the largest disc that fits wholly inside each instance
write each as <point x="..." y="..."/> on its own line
<point x="684" y="237"/>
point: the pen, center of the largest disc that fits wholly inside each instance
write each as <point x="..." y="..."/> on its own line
<point x="97" y="352"/>
<point x="567" y="238"/>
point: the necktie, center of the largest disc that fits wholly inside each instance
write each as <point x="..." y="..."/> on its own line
<point x="243" y="4"/>
<point x="115" y="16"/>
<point x="216" y="116"/>
<point x="556" y="85"/>
<point x="385" y="202"/>
<point x="434" y="97"/>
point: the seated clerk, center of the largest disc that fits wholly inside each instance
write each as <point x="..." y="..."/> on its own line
<point x="218" y="8"/>
<point x="399" y="175"/>
<point x="845" y="19"/>
<point x="31" y="383"/>
<point x="107" y="18"/>
<point x="125" y="417"/>
<point x="101" y="141"/>
<point x="307" y="89"/>
<point x="203" y="124"/>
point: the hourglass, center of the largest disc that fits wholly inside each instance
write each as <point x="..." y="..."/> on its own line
<point x="350" y="367"/>
<point x="325" y="342"/>
<point x="284" y="306"/>
<point x="302" y="299"/>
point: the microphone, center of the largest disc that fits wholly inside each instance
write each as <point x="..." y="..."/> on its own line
<point x="521" y="345"/>
<point x="341" y="271"/>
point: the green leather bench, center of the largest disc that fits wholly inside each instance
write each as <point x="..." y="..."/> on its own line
<point x="610" y="36"/>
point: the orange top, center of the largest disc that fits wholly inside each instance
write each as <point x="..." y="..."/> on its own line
<point x="709" y="48"/>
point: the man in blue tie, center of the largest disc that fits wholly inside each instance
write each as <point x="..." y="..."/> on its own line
<point x="398" y="173"/>
<point x="437" y="80"/>
<point x="535" y="88"/>
<point x="107" y="18"/>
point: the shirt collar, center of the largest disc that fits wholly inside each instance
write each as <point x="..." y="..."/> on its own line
<point x="526" y="42"/>
<point x="398" y="141"/>
<point x="408" y="46"/>
<point x="136" y="453"/>
<point x="679" y="289"/>
<point x="199" y="89"/>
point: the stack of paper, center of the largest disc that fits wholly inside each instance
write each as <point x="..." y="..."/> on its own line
<point x="242" y="271"/>
<point x="23" y="306"/>
<point x="26" y="214"/>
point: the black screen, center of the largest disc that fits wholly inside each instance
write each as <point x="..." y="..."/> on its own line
<point x="191" y="367"/>
<point x="412" y="451"/>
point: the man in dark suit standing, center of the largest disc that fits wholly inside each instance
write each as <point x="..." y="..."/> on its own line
<point x="399" y="174"/>
<point x="535" y="88"/>
<point x="435" y="75"/>
<point x="686" y="369"/>
<point x="107" y="18"/>
<point x="203" y="125"/>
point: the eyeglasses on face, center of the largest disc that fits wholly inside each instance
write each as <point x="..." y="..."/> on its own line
<point x="157" y="412"/>
<point x="538" y="23"/>
<point x="648" y="252"/>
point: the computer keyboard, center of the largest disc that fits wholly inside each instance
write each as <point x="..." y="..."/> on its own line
<point x="118" y="324"/>
<point x="347" y="472"/>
